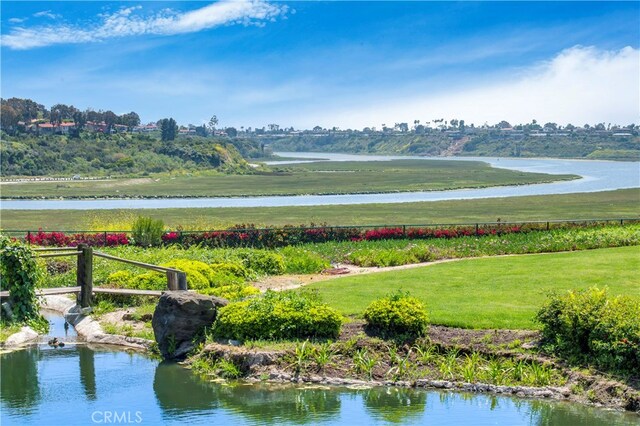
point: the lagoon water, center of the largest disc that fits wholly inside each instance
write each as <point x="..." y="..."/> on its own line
<point x="80" y="385"/>
<point x="595" y="176"/>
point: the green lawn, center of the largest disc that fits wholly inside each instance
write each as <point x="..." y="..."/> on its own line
<point x="608" y="204"/>
<point x="484" y="293"/>
<point x="315" y="178"/>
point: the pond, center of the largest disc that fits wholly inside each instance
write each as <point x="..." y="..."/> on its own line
<point x="596" y="176"/>
<point x="83" y="385"/>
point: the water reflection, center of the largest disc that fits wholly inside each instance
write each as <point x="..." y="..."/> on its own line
<point x="179" y="393"/>
<point x="19" y="388"/>
<point x="75" y="381"/>
<point x="395" y="405"/>
<point x="87" y="372"/>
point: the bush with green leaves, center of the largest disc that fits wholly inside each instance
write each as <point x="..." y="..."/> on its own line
<point x="225" y="279"/>
<point x="298" y="260"/>
<point x="397" y="314"/>
<point x="120" y="278"/>
<point x="231" y="292"/>
<point x="262" y="261"/>
<point x="147" y="232"/>
<point x="19" y="273"/>
<point x="590" y="327"/>
<point x="197" y="272"/>
<point x="149" y="281"/>
<point x="278" y="315"/>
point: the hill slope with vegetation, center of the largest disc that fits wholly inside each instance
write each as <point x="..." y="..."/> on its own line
<point x="99" y="154"/>
<point x="495" y="143"/>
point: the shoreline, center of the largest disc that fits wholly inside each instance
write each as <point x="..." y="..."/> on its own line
<point x="273" y="366"/>
<point x="246" y="196"/>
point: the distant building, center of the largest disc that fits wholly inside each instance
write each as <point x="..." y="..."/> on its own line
<point x="55" y="128"/>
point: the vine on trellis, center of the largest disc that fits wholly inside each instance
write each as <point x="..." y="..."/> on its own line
<point x="19" y="273"/>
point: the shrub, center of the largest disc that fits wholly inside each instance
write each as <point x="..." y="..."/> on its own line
<point x="147" y="232"/>
<point x="223" y="278"/>
<point x="278" y="315"/>
<point x="301" y="261"/>
<point x="587" y="326"/>
<point x="197" y="272"/>
<point x="230" y="268"/>
<point x="120" y="278"/>
<point x="231" y="292"/>
<point x="59" y="239"/>
<point x="396" y="314"/>
<point x="19" y="273"/>
<point x="380" y="257"/>
<point x="262" y="261"/>
<point x="149" y="281"/>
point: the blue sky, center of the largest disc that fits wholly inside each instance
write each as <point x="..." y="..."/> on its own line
<point x="346" y="64"/>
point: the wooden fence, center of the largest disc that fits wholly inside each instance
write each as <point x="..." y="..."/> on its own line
<point x="176" y="279"/>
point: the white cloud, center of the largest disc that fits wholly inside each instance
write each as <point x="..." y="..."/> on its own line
<point x="579" y="85"/>
<point x="127" y="22"/>
<point x="46" y="14"/>
<point x="17" y="20"/>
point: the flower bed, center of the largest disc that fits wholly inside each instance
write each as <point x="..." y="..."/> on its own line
<point x="248" y="235"/>
<point x="59" y="239"/>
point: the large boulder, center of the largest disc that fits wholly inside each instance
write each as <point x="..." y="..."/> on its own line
<point x="179" y="317"/>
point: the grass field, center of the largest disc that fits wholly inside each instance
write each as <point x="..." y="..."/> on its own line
<point x="313" y="178"/>
<point x="621" y="203"/>
<point x="502" y="292"/>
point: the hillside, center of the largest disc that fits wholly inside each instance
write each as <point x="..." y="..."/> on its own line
<point x="97" y="154"/>
<point x="495" y="143"/>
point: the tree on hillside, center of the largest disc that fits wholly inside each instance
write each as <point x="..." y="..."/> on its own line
<point x="231" y="132"/>
<point x="213" y="122"/>
<point x="130" y="120"/>
<point x="79" y="119"/>
<point x="110" y="119"/>
<point x="61" y="112"/>
<point x="168" y="129"/>
<point x="8" y="118"/>
<point x="26" y="109"/>
<point x="94" y="116"/>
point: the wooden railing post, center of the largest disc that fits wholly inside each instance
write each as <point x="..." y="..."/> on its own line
<point x="182" y="281"/>
<point x="85" y="275"/>
<point x="172" y="280"/>
<point x="176" y="280"/>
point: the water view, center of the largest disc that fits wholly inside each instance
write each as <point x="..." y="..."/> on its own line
<point x="331" y="212"/>
<point x="595" y="176"/>
<point x="82" y="384"/>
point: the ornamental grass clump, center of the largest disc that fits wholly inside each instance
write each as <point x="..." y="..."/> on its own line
<point x="147" y="232"/>
<point x="278" y="315"/>
<point x="397" y="314"/>
<point x="589" y="327"/>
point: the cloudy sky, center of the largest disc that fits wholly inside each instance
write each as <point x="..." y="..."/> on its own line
<point x="346" y="64"/>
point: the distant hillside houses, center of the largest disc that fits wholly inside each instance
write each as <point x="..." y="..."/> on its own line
<point x="57" y="128"/>
<point x="64" y="128"/>
<point x="146" y="128"/>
